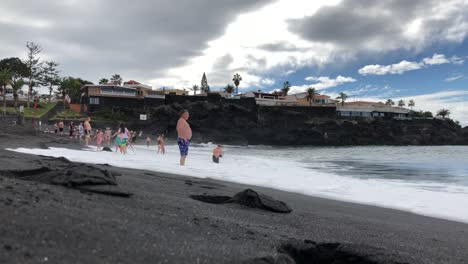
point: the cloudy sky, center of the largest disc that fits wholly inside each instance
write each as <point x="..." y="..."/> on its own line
<point x="372" y="50"/>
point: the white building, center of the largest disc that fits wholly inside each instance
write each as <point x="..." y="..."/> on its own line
<point x="371" y="110"/>
<point x="268" y="99"/>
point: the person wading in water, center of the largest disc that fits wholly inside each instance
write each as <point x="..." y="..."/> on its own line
<point x="184" y="135"/>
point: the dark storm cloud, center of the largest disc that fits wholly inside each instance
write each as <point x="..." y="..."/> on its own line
<point x="352" y="22"/>
<point x="138" y="39"/>
<point x="279" y="47"/>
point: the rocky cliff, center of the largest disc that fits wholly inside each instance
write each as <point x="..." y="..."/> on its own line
<point x="231" y="124"/>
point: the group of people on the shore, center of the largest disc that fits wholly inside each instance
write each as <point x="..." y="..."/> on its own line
<point x="125" y="138"/>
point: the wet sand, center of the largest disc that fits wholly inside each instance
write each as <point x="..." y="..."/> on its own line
<point x="161" y="223"/>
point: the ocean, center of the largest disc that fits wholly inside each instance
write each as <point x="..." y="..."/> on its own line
<point x="427" y="180"/>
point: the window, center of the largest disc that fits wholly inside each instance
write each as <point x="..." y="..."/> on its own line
<point x="94" y="101"/>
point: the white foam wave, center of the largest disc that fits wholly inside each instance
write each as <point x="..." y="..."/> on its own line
<point x="285" y="174"/>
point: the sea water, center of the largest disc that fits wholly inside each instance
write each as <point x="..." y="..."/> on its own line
<point x="431" y="181"/>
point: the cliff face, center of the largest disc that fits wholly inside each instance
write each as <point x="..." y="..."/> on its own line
<point x="279" y="126"/>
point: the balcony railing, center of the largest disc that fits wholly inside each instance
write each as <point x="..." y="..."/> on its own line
<point x="118" y="93"/>
<point x="158" y="96"/>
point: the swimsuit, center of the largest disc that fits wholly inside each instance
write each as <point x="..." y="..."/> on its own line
<point x="215" y="159"/>
<point x="121" y="141"/>
<point x="183" y="146"/>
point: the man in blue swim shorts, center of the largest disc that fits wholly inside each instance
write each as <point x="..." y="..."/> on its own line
<point x="184" y="135"/>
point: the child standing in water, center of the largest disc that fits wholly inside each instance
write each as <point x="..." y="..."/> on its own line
<point x="148" y="141"/>
<point x="107" y="136"/>
<point x="217" y="153"/>
<point x="99" y="139"/>
<point x="161" y="144"/>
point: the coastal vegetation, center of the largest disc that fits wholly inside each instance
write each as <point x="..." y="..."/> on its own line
<point x="229" y="88"/>
<point x="311" y="95"/>
<point x="286" y="88"/>
<point x="342" y="98"/>
<point x="237" y="79"/>
<point x="411" y="104"/>
<point x="103" y="81"/>
<point x="401" y="103"/>
<point x="421" y="114"/>
<point x="443" y="113"/>
<point x="116" y="79"/>
<point x="204" y="88"/>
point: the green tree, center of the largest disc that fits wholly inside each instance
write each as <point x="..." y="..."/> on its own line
<point x="116" y="79"/>
<point x="342" y="98"/>
<point x="34" y="67"/>
<point x="72" y="87"/>
<point x="428" y="114"/>
<point x="16" y="86"/>
<point x="16" y="66"/>
<point x="195" y="89"/>
<point x="401" y="103"/>
<point x="286" y="88"/>
<point x="390" y="102"/>
<point x="5" y="79"/>
<point x="443" y="113"/>
<point x="229" y="88"/>
<point x="311" y="92"/>
<point x="51" y="76"/>
<point x="19" y="70"/>
<point x="237" y="79"/>
<point x="103" y="81"/>
<point x="204" y="87"/>
<point x="411" y="104"/>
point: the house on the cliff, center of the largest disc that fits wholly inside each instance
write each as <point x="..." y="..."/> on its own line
<point x="268" y="99"/>
<point x="362" y="109"/>
<point x="131" y="94"/>
<point x="319" y="100"/>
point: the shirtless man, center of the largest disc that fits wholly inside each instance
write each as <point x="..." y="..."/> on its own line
<point x="217" y="153"/>
<point x="184" y="135"/>
<point x="87" y="130"/>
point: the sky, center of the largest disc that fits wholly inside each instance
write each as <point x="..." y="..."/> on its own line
<point x="371" y="50"/>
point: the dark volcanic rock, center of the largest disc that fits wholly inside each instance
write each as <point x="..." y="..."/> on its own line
<point x="80" y="174"/>
<point x="248" y="198"/>
<point x="306" y="252"/>
<point x="232" y="124"/>
<point x="106" y="149"/>
<point x="253" y="199"/>
<point x="60" y="171"/>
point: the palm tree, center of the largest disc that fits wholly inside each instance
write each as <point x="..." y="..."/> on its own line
<point x="116" y="79"/>
<point x="286" y="88"/>
<point x="311" y="95"/>
<point x="103" y="81"/>
<point x="5" y="79"/>
<point x="16" y="86"/>
<point x="401" y="103"/>
<point x="343" y="97"/>
<point x="237" y="79"/>
<point x="411" y="104"/>
<point x="195" y="88"/>
<point x="229" y="88"/>
<point x="390" y="102"/>
<point x="443" y="113"/>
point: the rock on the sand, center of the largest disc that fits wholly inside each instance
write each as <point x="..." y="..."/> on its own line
<point x="248" y="198"/>
<point x="253" y="199"/>
<point x="106" y="149"/>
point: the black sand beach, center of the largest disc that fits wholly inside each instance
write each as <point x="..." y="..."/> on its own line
<point x="161" y="223"/>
